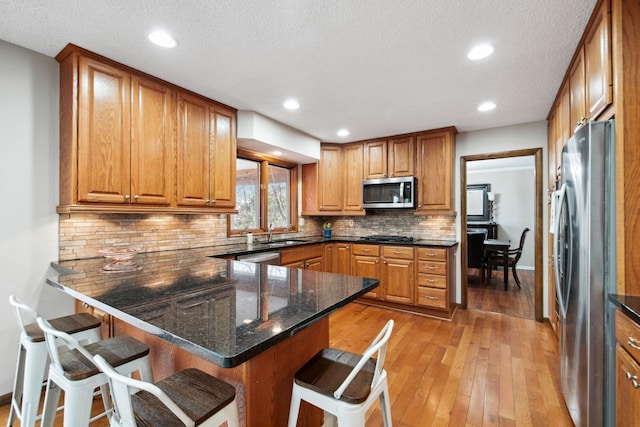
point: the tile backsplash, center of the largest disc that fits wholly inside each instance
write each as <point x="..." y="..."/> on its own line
<point x="82" y="235"/>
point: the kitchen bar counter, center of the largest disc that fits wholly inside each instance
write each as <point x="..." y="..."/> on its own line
<point x="249" y="324"/>
<point x="250" y="307"/>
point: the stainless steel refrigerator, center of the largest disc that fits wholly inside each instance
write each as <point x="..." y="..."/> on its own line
<point x="584" y="262"/>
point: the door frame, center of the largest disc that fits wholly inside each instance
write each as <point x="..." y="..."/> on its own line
<point x="538" y="273"/>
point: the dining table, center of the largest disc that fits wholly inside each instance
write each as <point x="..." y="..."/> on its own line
<point x="497" y="246"/>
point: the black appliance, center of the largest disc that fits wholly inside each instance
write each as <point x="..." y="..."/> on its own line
<point x="377" y="238"/>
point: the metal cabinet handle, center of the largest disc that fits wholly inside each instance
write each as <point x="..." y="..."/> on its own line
<point x="633" y="379"/>
<point x="136" y="197"/>
<point x="398" y="252"/>
<point x="212" y="201"/>
<point x="633" y="343"/>
<point x="431" y="267"/>
<point x="206" y="200"/>
<point x="430" y="297"/>
<point x="431" y="281"/>
<point x="366" y="250"/>
<point x="127" y="197"/>
<point x="431" y="254"/>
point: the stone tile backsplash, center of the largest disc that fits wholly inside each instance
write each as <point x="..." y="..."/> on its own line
<point x="82" y="235"/>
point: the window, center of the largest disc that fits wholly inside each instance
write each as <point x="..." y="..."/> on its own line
<point x="258" y="208"/>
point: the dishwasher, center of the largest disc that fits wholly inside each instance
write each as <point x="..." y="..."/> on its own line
<point x="270" y="258"/>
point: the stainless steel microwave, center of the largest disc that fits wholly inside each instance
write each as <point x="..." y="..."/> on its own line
<point x="389" y="193"/>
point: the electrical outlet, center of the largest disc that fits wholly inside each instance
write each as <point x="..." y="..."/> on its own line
<point x="350" y="223"/>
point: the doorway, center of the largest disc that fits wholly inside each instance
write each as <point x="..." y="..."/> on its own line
<point x="536" y="229"/>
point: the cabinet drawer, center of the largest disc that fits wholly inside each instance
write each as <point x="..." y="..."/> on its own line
<point x="432" y="281"/>
<point x="432" y="253"/>
<point x="431" y="267"/>
<point x="431" y="297"/>
<point x="628" y="335"/>
<point x="368" y="250"/>
<point x="397" y="252"/>
<point x="292" y="255"/>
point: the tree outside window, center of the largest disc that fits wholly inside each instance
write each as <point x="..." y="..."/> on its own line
<point x="258" y="208"/>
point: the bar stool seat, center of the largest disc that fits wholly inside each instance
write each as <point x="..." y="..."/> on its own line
<point x="32" y="361"/>
<point x="344" y="385"/>
<point x="72" y="371"/>
<point x="189" y="397"/>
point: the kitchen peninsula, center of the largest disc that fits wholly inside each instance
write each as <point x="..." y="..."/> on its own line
<point x="252" y="325"/>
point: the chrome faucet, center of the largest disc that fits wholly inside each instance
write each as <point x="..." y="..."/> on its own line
<point x="270" y="238"/>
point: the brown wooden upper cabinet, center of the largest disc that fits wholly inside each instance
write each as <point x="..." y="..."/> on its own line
<point x="118" y="148"/>
<point x="206" y="153"/>
<point x="434" y="171"/>
<point x="389" y="158"/>
<point x="590" y="75"/>
<point x="334" y="184"/>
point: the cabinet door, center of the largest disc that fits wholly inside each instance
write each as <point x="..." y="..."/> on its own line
<point x="398" y="280"/>
<point x="329" y="256"/>
<point x="375" y="159"/>
<point x="152" y="142"/>
<point x="343" y="258"/>
<point x="576" y="88"/>
<point x="434" y="161"/>
<point x="401" y="157"/>
<point x="563" y="122"/>
<point x="295" y="264"/>
<point x="193" y="151"/>
<point x="627" y="395"/>
<point x="104" y="134"/>
<point x="314" y="264"/>
<point x="597" y="61"/>
<point x="367" y="266"/>
<point x="222" y="161"/>
<point x="330" y="188"/>
<point x="352" y="158"/>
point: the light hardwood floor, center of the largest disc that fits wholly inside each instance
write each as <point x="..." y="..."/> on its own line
<point x="480" y="369"/>
<point x="491" y="296"/>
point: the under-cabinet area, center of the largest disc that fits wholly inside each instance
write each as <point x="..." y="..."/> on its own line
<point x="627" y="372"/>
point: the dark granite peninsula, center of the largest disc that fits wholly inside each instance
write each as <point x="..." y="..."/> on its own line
<point x="251" y="324"/>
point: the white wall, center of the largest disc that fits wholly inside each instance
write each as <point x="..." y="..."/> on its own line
<point x="497" y="140"/>
<point x="514" y="205"/>
<point x="29" y="190"/>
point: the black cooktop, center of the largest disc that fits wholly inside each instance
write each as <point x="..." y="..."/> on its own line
<point x="383" y="238"/>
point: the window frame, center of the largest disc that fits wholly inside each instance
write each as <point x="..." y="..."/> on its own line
<point x="266" y="161"/>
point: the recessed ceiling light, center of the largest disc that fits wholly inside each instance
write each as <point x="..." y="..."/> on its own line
<point x="291" y="104"/>
<point x="343" y="132"/>
<point x="487" y="106"/>
<point x="480" y="51"/>
<point x="162" y="39"/>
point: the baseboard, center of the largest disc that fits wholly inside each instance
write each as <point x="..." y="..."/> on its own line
<point x="5" y="399"/>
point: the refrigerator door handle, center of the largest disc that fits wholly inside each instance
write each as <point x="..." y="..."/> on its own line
<point x="562" y="299"/>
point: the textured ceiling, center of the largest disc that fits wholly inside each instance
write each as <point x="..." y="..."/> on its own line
<point x="376" y="67"/>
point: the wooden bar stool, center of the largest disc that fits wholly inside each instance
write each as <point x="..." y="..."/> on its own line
<point x="344" y="385"/>
<point x="72" y="370"/>
<point x="190" y="397"/>
<point x="32" y="363"/>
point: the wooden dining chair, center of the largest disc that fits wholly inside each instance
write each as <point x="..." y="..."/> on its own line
<point x="497" y="258"/>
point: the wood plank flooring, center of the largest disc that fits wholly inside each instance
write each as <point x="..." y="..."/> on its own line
<point x="480" y="369"/>
<point x="491" y="296"/>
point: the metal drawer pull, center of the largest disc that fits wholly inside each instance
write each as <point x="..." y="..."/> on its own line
<point x="431" y="254"/>
<point x="633" y="343"/>
<point x="431" y="267"/>
<point x="633" y="379"/>
<point x="430" y="297"/>
<point x="431" y="281"/>
<point x="366" y="250"/>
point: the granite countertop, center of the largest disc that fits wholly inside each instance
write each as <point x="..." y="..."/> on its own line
<point x="223" y="311"/>
<point x="629" y="304"/>
<point x="282" y="243"/>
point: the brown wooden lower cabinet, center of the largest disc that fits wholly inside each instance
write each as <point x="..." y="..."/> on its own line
<point x="627" y="370"/>
<point x="418" y="279"/>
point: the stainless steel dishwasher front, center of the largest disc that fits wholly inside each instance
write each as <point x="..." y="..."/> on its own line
<point x="271" y="258"/>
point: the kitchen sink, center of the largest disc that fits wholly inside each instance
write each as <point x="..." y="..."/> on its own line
<point x="283" y="242"/>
